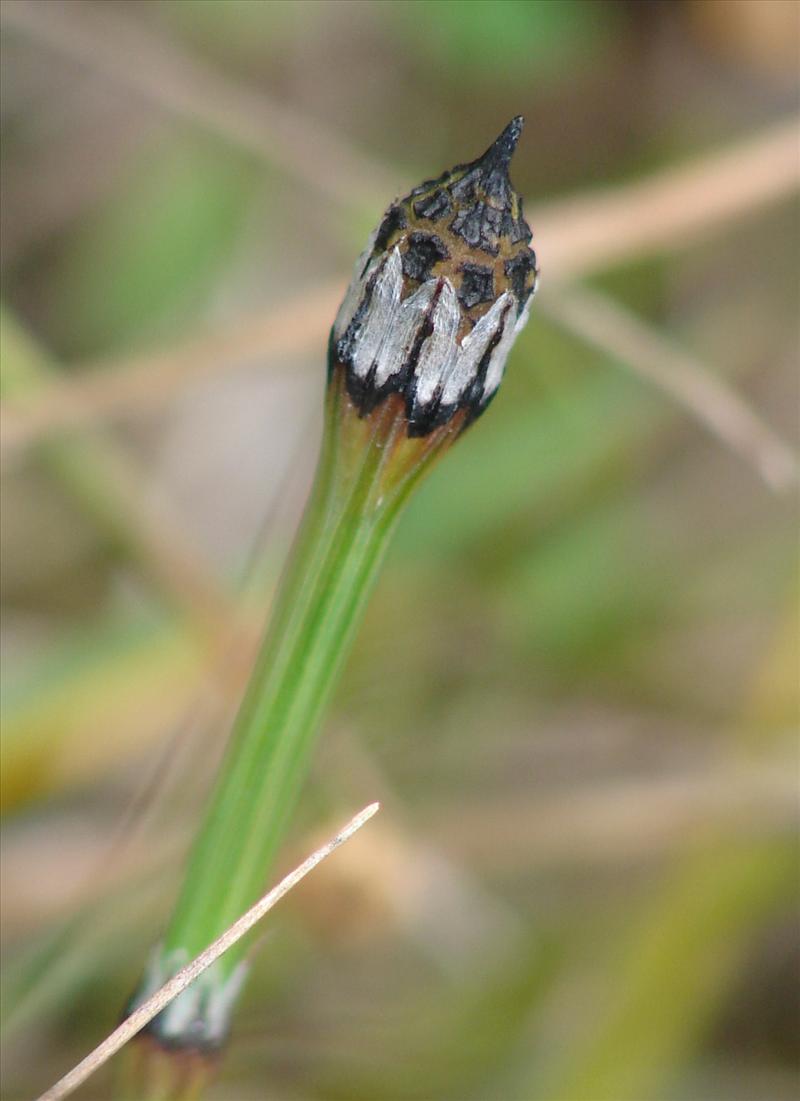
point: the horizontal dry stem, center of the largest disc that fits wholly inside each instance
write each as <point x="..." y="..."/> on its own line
<point x="612" y="329"/>
<point x="573" y="238"/>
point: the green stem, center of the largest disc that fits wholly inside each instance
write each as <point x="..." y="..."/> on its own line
<point x="358" y="495"/>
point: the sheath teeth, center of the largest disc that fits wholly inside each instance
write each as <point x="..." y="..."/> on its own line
<point x="399" y="344"/>
<point x="377" y="326"/>
<point x="473" y="349"/>
<point x="439" y="351"/>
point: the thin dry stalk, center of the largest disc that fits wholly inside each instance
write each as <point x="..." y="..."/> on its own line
<point x="106" y="481"/>
<point x="141" y="383"/>
<point x="574" y="238"/>
<point x="153" y="1006"/>
<point x="162" y="546"/>
<point x="614" y="224"/>
<point x="670" y="208"/>
<point x="615" y="331"/>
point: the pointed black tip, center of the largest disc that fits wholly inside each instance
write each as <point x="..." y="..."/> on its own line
<point x="502" y="149"/>
<point x="493" y="167"/>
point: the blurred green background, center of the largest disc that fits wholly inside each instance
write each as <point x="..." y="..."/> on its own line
<point x="575" y="692"/>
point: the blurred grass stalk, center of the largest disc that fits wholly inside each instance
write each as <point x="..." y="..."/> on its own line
<point x="99" y="477"/>
<point x="681" y="956"/>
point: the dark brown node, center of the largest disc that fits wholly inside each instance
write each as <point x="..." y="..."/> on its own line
<point x="424" y="250"/>
<point x="477" y="285"/>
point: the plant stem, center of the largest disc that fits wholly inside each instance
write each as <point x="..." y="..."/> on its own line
<point x="414" y="357"/>
<point x="359" y="492"/>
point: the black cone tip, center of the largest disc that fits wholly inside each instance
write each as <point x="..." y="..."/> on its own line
<point x="500" y="152"/>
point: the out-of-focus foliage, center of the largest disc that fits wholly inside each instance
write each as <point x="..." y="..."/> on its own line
<point x="166" y="233"/>
<point x="505" y="41"/>
<point x="575" y="691"/>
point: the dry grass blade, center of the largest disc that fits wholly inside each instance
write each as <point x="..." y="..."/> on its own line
<point x="145" y="382"/>
<point x="153" y="1006"/>
<point x="670" y="208"/>
<point x="573" y="238"/>
<point x="106" y="482"/>
<point x="610" y="225"/>
<point x="611" y="328"/>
